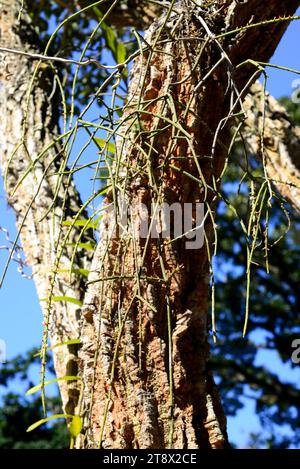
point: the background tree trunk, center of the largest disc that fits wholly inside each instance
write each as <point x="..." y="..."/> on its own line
<point x="279" y="147"/>
<point x="28" y="126"/>
<point x="145" y="350"/>
<point x="138" y="13"/>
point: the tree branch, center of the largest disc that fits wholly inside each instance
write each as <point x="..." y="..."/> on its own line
<point x="270" y="134"/>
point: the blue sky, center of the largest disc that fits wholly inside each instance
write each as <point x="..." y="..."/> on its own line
<point x="20" y="315"/>
<point x="287" y="55"/>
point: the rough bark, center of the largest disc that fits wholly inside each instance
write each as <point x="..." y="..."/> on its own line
<point x="131" y="399"/>
<point x="27" y="126"/>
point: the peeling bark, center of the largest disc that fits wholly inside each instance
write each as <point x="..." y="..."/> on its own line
<point x="131" y="399"/>
<point x="38" y="115"/>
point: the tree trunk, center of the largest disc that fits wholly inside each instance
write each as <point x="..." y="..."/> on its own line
<point x="145" y="320"/>
<point x="28" y="126"/>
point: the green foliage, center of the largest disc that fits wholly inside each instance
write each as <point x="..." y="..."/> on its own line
<point x="38" y="387"/>
<point x="293" y="108"/>
<point x="38" y="423"/>
<point x="18" y="412"/>
<point x="75" y="426"/>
